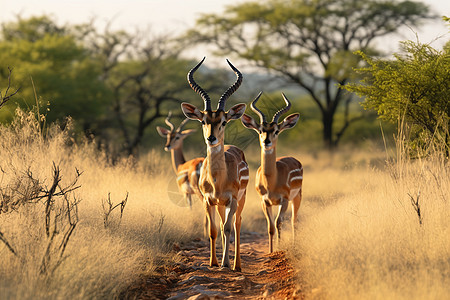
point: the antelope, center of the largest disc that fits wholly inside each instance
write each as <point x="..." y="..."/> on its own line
<point x="188" y="172"/>
<point x="224" y="174"/>
<point x="278" y="180"/>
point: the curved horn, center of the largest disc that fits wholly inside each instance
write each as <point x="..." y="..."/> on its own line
<point x="262" y="117"/>
<point x="197" y="88"/>
<point x="168" y="122"/>
<point x="231" y="89"/>
<point x="182" y="124"/>
<point x="283" y="110"/>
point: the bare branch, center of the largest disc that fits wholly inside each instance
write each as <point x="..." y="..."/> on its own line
<point x="7" y="244"/>
<point x="5" y="98"/>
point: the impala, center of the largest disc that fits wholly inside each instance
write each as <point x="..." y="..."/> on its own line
<point x="188" y="172"/>
<point x="224" y="173"/>
<point x="278" y="181"/>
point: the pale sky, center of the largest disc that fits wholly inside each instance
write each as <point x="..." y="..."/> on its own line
<point x="172" y="16"/>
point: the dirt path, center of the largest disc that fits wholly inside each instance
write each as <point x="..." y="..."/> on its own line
<point x="263" y="276"/>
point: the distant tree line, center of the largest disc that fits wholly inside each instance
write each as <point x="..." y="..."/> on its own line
<point x="116" y="84"/>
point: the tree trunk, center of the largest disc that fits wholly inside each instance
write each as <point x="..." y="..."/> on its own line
<point x="327" y="120"/>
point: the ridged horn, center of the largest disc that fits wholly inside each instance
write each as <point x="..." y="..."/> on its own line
<point x="197" y="88"/>
<point x="262" y="117"/>
<point x="167" y="120"/>
<point x="231" y="89"/>
<point x="283" y="110"/>
<point x="182" y="124"/>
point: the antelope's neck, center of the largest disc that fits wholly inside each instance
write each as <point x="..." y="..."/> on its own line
<point x="177" y="158"/>
<point x="216" y="163"/>
<point x="268" y="162"/>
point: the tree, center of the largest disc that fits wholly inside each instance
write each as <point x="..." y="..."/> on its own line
<point x="49" y="63"/>
<point x="308" y="42"/>
<point x="414" y="87"/>
<point x="146" y="76"/>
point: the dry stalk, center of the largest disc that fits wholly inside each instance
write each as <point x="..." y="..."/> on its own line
<point x="61" y="219"/>
<point x="109" y="207"/>
<point x="416" y="205"/>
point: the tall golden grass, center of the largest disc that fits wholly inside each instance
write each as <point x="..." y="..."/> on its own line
<point x="99" y="261"/>
<point x="361" y="235"/>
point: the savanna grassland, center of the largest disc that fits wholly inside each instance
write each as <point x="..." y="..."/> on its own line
<point x="372" y="229"/>
<point x="359" y="235"/>
<point x="101" y="259"/>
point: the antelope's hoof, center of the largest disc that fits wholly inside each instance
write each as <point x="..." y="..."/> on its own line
<point x="225" y="266"/>
<point x="237" y="269"/>
<point x="213" y="264"/>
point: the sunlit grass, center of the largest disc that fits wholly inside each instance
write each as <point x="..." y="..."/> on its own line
<point x="360" y="236"/>
<point x="99" y="262"/>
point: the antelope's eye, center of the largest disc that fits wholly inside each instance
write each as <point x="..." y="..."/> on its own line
<point x="224" y="123"/>
<point x="177" y="138"/>
<point x="203" y="122"/>
<point x="277" y="132"/>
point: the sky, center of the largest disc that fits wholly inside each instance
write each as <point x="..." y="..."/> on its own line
<point x="175" y="16"/>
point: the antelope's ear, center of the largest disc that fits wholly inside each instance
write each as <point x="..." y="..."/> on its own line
<point x="191" y="112"/>
<point x="236" y="111"/>
<point x="162" y="131"/>
<point x="249" y="122"/>
<point x="289" y="122"/>
<point x="188" y="131"/>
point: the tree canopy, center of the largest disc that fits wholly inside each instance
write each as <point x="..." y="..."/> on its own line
<point x="48" y="60"/>
<point x="114" y="84"/>
<point x="414" y="87"/>
<point x="308" y="42"/>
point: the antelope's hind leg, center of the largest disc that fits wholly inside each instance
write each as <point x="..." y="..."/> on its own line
<point x="295" y="207"/>
<point x="279" y="219"/>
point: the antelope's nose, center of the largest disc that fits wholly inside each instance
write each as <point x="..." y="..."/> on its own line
<point x="211" y="139"/>
<point x="267" y="142"/>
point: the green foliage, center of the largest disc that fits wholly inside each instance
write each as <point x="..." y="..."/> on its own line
<point x="65" y="78"/>
<point x="413" y="87"/>
<point x="308" y="42"/>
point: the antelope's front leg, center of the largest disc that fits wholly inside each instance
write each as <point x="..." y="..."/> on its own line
<point x="210" y="213"/>
<point x="267" y="209"/>
<point x="229" y="213"/>
<point x="279" y="219"/>
<point x="237" y="234"/>
<point x="221" y="212"/>
<point x="188" y="198"/>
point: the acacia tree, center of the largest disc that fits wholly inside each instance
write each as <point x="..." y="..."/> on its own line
<point x="146" y="76"/>
<point x="308" y="42"/>
<point x="414" y="87"/>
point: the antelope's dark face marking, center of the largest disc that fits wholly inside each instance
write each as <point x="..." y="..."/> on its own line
<point x="213" y="122"/>
<point x="268" y="132"/>
<point x="268" y="135"/>
<point x="174" y="139"/>
<point x="213" y="125"/>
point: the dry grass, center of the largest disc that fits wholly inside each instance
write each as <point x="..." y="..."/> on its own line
<point x="360" y="236"/>
<point x="98" y="262"/>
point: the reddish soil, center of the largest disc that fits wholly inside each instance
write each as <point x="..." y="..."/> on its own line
<point x="263" y="276"/>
